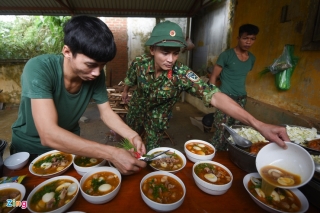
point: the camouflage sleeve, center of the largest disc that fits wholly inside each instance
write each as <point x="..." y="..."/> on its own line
<point x="208" y="95"/>
<point x="198" y="88"/>
<point x="131" y="77"/>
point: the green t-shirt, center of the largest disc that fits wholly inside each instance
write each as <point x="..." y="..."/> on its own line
<point x="234" y="72"/>
<point x="42" y="78"/>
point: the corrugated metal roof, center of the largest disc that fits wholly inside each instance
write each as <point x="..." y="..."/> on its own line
<point x="108" y="8"/>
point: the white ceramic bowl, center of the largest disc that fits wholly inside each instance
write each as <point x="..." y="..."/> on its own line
<point x="53" y="174"/>
<point x="17" y="160"/>
<point x="211" y="188"/>
<point x="62" y="208"/>
<point x="301" y="197"/>
<point x="160" y="207"/>
<point x="103" y="198"/>
<point x="18" y="187"/>
<point x="160" y="149"/>
<point x="195" y="157"/>
<point x="82" y="170"/>
<point x="111" y="164"/>
<point x="295" y="160"/>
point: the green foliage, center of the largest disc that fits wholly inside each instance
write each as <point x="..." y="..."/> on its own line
<point x="30" y="36"/>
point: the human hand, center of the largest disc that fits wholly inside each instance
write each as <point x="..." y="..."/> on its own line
<point x="125" y="97"/>
<point x="275" y="134"/>
<point x="126" y="162"/>
<point x="138" y="144"/>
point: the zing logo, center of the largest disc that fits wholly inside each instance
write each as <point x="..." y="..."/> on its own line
<point x="16" y="203"/>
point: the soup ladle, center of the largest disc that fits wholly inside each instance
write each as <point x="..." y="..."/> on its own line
<point x="238" y="140"/>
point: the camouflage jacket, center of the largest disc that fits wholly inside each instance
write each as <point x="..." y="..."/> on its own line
<point x="155" y="97"/>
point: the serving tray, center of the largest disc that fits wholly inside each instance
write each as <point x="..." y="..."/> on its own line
<point x="304" y="144"/>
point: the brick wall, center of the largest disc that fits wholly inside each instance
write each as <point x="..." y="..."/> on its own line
<point x="117" y="68"/>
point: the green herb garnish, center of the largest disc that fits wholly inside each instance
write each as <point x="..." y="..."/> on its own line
<point x="82" y="161"/>
<point x="59" y="157"/>
<point x="269" y="199"/>
<point x="46" y="189"/>
<point x="201" y="166"/>
<point x="96" y="183"/>
<point x="127" y="145"/>
<point x="156" y="188"/>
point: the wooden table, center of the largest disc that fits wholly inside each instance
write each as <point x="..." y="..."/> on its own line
<point x="236" y="199"/>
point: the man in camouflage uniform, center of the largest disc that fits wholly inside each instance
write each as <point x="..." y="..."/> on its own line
<point x="160" y="79"/>
<point x="150" y="107"/>
<point x="232" y="66"/>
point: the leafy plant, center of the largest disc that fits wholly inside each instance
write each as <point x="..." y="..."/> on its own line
<point x="30" y="36"/>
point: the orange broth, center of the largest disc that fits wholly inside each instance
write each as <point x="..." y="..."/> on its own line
<point x="37" y="204"/>
<point x="288" y="202"/>
<point x="274" y="178"/>
<point x="171" y="162"/>
<point x="257" y="146"/>
<point x="199" y="148"/>
<point x="92" y="184"/>
<point x="162" y="189"/>
<point x="222" y="176"/>
<point x="86" y="161"/>
<point x="58" y="161"/>
<point x="13" y="194"/>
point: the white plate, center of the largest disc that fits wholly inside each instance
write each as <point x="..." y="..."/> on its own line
<point x="302" y="198"/>
<point x="52" y="174"/>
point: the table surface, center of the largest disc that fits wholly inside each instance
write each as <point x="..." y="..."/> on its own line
<point x="236" y="199"/>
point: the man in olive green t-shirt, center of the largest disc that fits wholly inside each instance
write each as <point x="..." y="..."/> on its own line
<point x="233" y="66"/>
<point x="56" y="90"/>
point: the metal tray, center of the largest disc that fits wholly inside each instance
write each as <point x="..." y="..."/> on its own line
<point x="245" y="160"/>
<point x="240" y="157"/>
<point x="310" y="150"/>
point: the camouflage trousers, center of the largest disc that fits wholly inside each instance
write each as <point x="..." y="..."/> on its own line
<point x="219" y="117"/>
<point x="151" y="130"/>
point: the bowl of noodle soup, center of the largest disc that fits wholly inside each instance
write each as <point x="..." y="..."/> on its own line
<point x="162" y="191"/>
<point x="84" y="164"/>
<point x="14" y="191"/>
<point x="51" y="164"/>
<point x="285" y="168"/>
<point x="54" y="195"/>
<point x="282" y="200"/>
<point x="171" y="161"/>
<point x="197" y="150"/>
<point x="100" y="185"/>
<point x="212" y="177"/>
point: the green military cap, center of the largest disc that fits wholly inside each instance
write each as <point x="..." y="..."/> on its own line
<point x="167" y="34"/>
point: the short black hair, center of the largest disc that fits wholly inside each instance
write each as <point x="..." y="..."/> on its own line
<point x="250" y="29"/>
<point x="90" y="36"/>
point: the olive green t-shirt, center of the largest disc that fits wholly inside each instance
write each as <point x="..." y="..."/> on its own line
<point x="42" y="78"/>
<point x="234" y="72"/>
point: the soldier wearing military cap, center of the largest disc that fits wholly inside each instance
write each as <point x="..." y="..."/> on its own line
<point x="160" y="79"/>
